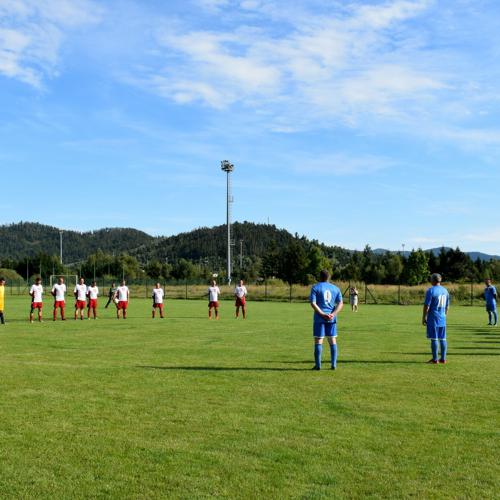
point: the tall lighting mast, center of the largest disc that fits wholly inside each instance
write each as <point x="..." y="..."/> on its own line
<point x="228" y="167"/>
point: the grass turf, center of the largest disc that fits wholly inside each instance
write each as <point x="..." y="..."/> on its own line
<point x="187" y="408"/>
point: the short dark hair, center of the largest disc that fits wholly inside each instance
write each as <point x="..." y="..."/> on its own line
<point x="324" y="275"/>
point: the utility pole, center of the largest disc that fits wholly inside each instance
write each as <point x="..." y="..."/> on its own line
<point x="241" y="255"/>
<point x="60" y="247"/>
<point x="228" y="167"/>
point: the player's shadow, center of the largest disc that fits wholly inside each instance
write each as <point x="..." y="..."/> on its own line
<point x="224" y="368"/>
<point x="353" y="362"/>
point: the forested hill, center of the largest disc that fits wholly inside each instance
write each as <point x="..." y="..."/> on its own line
<point x="211" y="242"/>
<point x="27" y="239"/>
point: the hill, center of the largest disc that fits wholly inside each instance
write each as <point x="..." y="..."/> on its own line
<point x="435" y="251"/>
<point x="27" y="239"/>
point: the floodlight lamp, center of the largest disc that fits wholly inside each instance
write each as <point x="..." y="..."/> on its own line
<point x="226" y="166"/>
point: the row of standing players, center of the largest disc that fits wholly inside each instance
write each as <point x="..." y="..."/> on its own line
<point x="86" y="298"/>
<point x="325" y="299"/>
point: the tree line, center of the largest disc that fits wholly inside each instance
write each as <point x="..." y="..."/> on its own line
<point x="296" y="260"/>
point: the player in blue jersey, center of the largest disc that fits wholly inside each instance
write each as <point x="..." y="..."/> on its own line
<point x="326" y="300"/>
<point x="436" y="304"/>
<point x="490" y="296"/>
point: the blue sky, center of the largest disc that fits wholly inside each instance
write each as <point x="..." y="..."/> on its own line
<point x="350" y="122"/>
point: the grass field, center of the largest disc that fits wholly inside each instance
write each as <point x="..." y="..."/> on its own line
<point x="187" y="408"/>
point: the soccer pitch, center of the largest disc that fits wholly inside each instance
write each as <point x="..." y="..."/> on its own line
<point x="190" y="408"/>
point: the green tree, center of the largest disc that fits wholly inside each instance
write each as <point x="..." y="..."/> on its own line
<point x="293" y="264"/>
<point x="417" y="267"/>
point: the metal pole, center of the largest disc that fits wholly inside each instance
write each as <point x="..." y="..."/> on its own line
<point x="228" y="167"/>
<point x="228" y="222"/>
<point x="241" y="255"/>
<point x="60" y="247"/>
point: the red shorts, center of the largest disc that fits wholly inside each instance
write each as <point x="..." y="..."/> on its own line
<point x="159" y="306"/>
<point x="59" y="304"/>
<point x="123" y="304"/>
<point x="92" y="303"/>
<point x="213" y="304"/>
<point x="80" y="304"/>
<point x="36" y="305"/>
<point x="240" y="301"/>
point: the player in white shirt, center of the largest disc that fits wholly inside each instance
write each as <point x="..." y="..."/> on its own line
<point x="213" y="299"/>
<point x="240" y="293"/>
<point x="157" y="297"/>
<point x="92" y="294"/>
<point x="58" y="292"/>
<point x="36" y="292"/>
<point x="123" y="295"/>
<point x="80" y="293"/>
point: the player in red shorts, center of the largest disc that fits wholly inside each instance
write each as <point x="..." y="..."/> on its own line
<point x="36" y="292"/>
<point x="123" y="295"/>
<point x="58" y="292"/>
<point x="213" y="299"/>
<point x="240" y="294"/>
<point x="92" y="294"/>
<point x="80" y="293"/>
<point x="157" y="297"/>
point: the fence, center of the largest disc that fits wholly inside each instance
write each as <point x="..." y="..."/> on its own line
<point x="275" y="290"/>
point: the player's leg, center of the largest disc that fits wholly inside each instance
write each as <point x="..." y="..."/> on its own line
<point x="318" y="333"/>
<point x="40" y="313"/>
<point x="490" y="316"/>
<point x="153" y="311"/>
<point x="32" y="313"/>
<point x="244" y="310"/>
<point x="210" y="305"/>
<point x="63" y="312"/>
<point x="2" y="319"/>
<point x="124" y="312"/>
<point x="216" y="311"/>
<point x="495" y="316"/>
<point x="432" y="335"/>
<point x="331" y="334"/>
<point x="54" y="314"/>
<point x="443" y="344"/>
<point x="161" y="311"/>
<point x="237" y="314"/>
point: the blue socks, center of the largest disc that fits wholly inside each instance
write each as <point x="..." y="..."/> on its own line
<point x="490" y="314"/>
<point x="495" y="316"/>
<point x="444" y="347"/>
<point x="434" y="349"/>
<point x="333" y="352"/>
<point x="318" y="350"/>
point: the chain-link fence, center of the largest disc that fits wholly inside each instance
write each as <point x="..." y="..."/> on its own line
<point x="275" y="290"/>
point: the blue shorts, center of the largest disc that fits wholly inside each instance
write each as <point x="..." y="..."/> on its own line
<point x="436" y="332"/>
<point x="321" y="330"/>
<point x="491" y="307"/>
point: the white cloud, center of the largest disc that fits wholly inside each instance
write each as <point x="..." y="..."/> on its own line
<point x="357" y="60"/>
<point x="32" y="32"/>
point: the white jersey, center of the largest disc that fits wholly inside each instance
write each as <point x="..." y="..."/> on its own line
<point x="36" y="291"/>
<point x="81" y="292"/>
<point x="59" y="290"/>
<point x="93" y="292"/>
<point x="158" y="295"/>
<point x="122" y="293"/>
<point x="213" y="293"/>
<point x="240" y="291"/>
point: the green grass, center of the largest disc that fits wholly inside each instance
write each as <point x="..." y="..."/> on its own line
<point x="187" y="408"/>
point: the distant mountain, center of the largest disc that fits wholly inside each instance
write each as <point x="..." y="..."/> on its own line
<point x="473" y="255"/>
<point x="26" y="239"/>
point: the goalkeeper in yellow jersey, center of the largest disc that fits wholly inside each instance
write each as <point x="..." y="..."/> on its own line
<point x="2" y="300"/>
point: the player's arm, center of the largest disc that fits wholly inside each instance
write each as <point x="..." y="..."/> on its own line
<point x="425" y="311"/>
<point x="338" y="308"/>
<point x="319" y="311"/>
<point x="53" y="292"/>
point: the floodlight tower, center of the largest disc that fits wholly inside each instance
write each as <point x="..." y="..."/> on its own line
<point x="60" y="246"/>
<point x="228" y="167"/>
